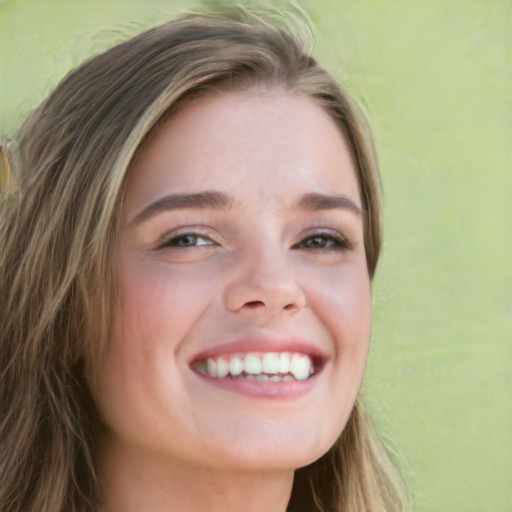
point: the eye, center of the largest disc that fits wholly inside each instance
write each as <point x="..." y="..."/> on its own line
<point x="184" y="240"/>
<point x="324" y="242"/>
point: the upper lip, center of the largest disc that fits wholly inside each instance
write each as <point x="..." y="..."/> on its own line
<point x="259" y="343"/>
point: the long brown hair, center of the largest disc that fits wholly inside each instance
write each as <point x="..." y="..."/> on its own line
<point x="58" y="236"/>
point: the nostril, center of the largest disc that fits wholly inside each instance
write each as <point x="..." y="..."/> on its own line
<point x="254" y="304"/>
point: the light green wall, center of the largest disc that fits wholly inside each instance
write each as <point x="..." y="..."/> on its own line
<point x="436" y="77"/>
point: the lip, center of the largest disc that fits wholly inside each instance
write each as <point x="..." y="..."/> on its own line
<point x="285" y="390"/>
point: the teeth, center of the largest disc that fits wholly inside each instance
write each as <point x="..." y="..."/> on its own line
<point x="270" y="363"/>
<point x="299" y="366"/>
<point x="222" y="368"/>
<point x="284" y="362"/>
<point x="261" y="367"/>
<point x="252" y="364"/>
<point x="236" y="366"/>
<point x="211" y="367"/>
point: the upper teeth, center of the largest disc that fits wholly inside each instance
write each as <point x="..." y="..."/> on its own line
<point x="274" y="365"/>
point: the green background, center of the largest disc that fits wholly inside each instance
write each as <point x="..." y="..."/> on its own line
<point x="436" y="77"/>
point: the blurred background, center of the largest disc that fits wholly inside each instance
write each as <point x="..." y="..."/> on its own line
<point x="435" y="77"/>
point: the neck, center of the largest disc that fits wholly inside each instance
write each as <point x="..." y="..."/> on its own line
<point x="134" y="481"/>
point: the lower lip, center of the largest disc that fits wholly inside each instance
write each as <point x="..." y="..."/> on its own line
<point x="289" y="390"/>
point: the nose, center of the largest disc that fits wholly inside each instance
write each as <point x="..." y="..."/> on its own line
<point x="265" y="284"/>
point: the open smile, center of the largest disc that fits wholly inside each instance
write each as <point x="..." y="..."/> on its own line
<point x="260" y="367"/>
<point x="266" y="368"/>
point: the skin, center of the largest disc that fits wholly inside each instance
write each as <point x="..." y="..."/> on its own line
<point x="259" y="267"/>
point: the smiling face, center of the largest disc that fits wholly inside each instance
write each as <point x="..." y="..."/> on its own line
<point x="245" y="303"/>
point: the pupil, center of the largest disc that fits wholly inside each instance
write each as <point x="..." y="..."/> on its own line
<point x="186" y="240"/>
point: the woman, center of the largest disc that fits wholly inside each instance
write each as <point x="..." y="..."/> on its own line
<point x="187" y="264"/>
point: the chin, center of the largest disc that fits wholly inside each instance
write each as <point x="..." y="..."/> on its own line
<point x="271" y="448"/>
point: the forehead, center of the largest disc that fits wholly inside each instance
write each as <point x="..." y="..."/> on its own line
<point x="273" y="144"/>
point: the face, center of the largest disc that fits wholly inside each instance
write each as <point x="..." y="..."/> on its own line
<point x="245" y="305"/>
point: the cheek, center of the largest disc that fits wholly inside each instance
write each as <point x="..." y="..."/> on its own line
<point x="344" y="306"/>
<point x="344" y="303"/>
<point x="352" y="324"/>
<point x="157" y="309"/>
<point x="159" y="302"/>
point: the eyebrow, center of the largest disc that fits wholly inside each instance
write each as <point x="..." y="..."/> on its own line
<point x="315" y="201"/>
<point x="202" y="200"/>
<point x="215" y="200"/>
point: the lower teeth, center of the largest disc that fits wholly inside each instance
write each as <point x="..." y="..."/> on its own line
<point x="269" y="378"/>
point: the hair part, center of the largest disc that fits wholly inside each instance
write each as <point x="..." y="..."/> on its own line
<point x="59" y="230"/>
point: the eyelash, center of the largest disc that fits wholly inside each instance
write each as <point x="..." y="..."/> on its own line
<point x="332" y="242"/>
